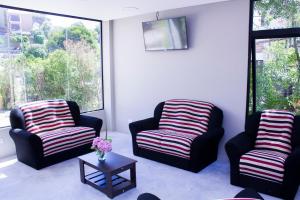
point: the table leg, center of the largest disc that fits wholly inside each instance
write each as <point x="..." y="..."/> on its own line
<point x="82" y="173"/>
<point x="109" y="187"/>
<point x="133" y="175"/>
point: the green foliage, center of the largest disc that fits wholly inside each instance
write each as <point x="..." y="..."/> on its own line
<point x="84" y="83"/>
<point x="35" y="50"/>
<point x="5" y="84"/>
<point x="79" y="32"/>
<point x="38" y="37"/>
<point x="55" y="74"/>
<point x="278" y="80"/>
<point x="50" y="66"/>
<point x="56" y="40"/>
<point x="76" y="32"/>
<point x="46" y="28"/>
<point x="18" y="38"/>
<point x="2" y="40"/>
<point x="275" y="9"/>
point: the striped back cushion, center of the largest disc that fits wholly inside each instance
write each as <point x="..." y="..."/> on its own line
<point x="274" y="131"/>
<point x="43" y="116"/>
<point x="186" y="116"/>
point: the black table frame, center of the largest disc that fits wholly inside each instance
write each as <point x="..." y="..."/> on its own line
<point x="110" y="183"/>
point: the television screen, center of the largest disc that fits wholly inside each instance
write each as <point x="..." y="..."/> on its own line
<point x="166" y="34"/>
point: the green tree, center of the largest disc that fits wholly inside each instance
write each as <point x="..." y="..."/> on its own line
<point x="278" y="81"/>
<point x="19" y="41"/>
<point x="38" y="37"/>
<point x="52" y="63"/>
<point x="56" y="39"/>
<point x="46" y="27"/>
<point x="84" y="84"/>
<point x="76" y="32"/>
<point x="35" y="50"/>
<point x="277" y="78"/>
<point x="79" y="32"/>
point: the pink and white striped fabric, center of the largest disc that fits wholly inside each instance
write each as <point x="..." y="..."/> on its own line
<point x="186" y="116"/>
<point x="272" y="147"/>
<point x="43" y="116"/>
<point x="65" y="138"/>
<point x="263" y="164"/>
<point x="274" y="131"/>
<point x="165" y="141"/>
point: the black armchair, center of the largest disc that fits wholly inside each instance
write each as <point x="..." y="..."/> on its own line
<point x="37" y="149"/>
<point x="244" y="144"/>
<point x="178" y="148"/>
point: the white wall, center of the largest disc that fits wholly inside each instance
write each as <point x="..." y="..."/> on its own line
<point x="214" y="69"/>
<point x="6" y="144"/>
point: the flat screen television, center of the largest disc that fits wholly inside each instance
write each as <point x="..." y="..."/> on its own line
<point x="165" y="34"/>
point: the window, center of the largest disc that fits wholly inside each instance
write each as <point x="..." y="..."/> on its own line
<point x="49" y="56"/>
<point x="15" y="18"/>
<point x="274" y="81"/>
<point x="15" y="27"/>
<point x="275" y="14"/>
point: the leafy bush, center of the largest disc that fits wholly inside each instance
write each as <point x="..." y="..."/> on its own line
<point x="35" y="50"/>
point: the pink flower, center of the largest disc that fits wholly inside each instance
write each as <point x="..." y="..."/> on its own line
<point x="102" y="145"/>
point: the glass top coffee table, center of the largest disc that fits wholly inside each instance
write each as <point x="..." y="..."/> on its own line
<point x="105" y="176"/>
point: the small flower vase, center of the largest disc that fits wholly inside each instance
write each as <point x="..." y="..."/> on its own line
<point x="101" y="156"/>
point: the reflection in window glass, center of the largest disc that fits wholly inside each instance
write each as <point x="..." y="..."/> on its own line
<point x="15" y="27"/>
<point x="47" y="57"/>
<point x="15" y="18"/>
<point x="276" y="14"/>
<point x="278" y="74"/>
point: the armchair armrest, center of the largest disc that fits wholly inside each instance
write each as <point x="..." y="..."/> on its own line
<point x="235" y="148"/>
<point x="205" y="147"/>
<point x="29" y="147"/>
<point x="143" y="125"/>
<point x="292" y="165"/>
<point x="92" y="122"/>
<point x="208" y="139"/>
<point x="239" y="145"/>
<point x="23" y="135"/>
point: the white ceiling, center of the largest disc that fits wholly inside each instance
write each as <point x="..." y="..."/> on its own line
<point x="104" y="9"/>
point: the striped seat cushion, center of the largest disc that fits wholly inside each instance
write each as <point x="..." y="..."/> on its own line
<point x="43" y="116"/>
<point x="186" y="116"/>
<point x="165" y="141"/>
<point x="65" y="139"/>
<point x="263" y="164"/>
<point x="274" y="131"/>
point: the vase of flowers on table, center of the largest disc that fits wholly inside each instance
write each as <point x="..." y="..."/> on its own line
<point x="101" y="146"/>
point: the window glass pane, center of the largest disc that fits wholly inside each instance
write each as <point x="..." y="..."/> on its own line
<point x="250" y="97"/>
<point x="15" y="27"/>
<point x="15" y="18"/>
<point x="276" y="14"/>
<point x="48" y="57"/>
<point x="278" y="74"/>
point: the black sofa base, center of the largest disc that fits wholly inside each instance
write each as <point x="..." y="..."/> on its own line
<point x="56" y="158"/>
<point x="174" y="161"/>
<point x="263" y="186"/>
